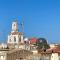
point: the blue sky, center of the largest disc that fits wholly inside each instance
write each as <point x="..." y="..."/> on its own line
<point x="41" y="18"/>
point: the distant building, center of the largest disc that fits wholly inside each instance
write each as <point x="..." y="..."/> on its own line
<point x="18" y="54"/>
<point x="54" y="45"/>
<point x="3" y="54"/>
<point x="15" y="37"/>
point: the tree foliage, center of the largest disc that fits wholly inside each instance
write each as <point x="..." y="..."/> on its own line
<point x="43" y="44"/>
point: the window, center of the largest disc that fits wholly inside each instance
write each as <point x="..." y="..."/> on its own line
<point x="19" y="39"/>
<point x="14" y="39"/>
<point x="9" y="40"/>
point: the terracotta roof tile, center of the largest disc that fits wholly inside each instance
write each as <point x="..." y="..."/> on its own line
<point x="16" y="33"/>
<point x="54" y="50"/>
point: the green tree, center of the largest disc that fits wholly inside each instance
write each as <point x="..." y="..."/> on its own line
<point x="42" y="44"/>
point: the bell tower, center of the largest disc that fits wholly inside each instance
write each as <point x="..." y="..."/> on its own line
<point x="15" y="38"/>
<point x="14" y="26"/>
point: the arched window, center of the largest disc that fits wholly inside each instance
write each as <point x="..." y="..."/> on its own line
<point x="19" y="39"/>
<point x="9" y="40"/>
<point x="14" y="39"/>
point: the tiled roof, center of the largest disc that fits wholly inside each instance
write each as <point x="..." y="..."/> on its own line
<point x="54" y="50"/>
<point x="16" y="33"/>
<point x="33" y="40"/>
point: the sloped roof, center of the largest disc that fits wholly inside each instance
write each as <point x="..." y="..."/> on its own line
<point x="16" y="33"/>
<point x="54" y="50"/>
<point x="33" y="40"/>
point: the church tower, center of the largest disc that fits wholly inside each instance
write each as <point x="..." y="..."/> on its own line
<point x="14" y="26"/>
<point x="15" y="37"/>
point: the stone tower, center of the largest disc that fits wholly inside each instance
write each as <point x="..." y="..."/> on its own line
<point x="15" y="37"/>
<point x="14" y="26"/>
